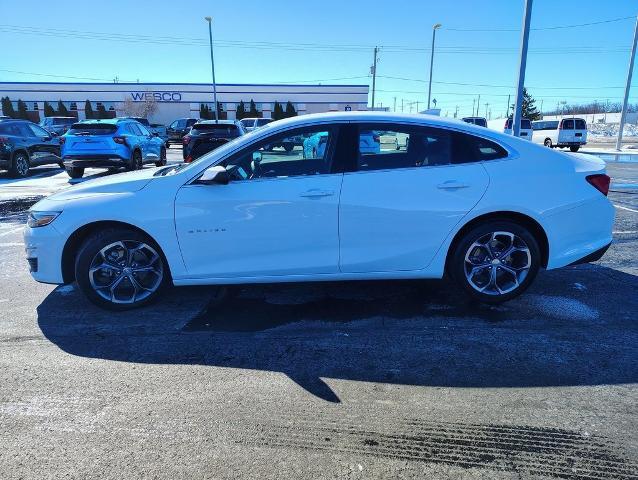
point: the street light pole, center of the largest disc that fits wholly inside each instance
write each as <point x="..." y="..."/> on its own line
<point x="518" y="106"/>
<point x="623" y="115"/>
<point x="434" y="29"/>
<point x="374" y="74"/>
<point x="212" y="65"/>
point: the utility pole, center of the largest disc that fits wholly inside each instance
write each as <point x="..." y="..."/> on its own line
<point x="401" y="105"/>
<point x="373" y="71"/>
<point x="518" y="108"/>
<point x="456" y="113"/>
<point x="541" y="108"/>
<point x="486" y="105"/>
<point x="473" y="104"/>
<point x="478" y="104"/>
<point x="395" y="104"/>
<point x="623" y="115"/>
<point x="212" y="64"/>
<point x="417" y="106"/>
<point x="507" y="110"/>
<point x="435" y="27"/>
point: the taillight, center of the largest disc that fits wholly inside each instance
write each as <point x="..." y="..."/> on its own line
<point x="120" y="140"/>
<point x="186" y="139"/>
<point x="505" y="126"/>
<point x="600" y="182"/>
<point x="62" y="140"/>
<point x="188" y="159"/>
<point x="560" y="125"/>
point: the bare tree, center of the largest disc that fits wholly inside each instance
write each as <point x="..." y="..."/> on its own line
<point x="143" y="108"/>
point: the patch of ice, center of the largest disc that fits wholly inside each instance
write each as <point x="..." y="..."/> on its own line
<point x="561" y="307"/>
<point x="65" y="289"/>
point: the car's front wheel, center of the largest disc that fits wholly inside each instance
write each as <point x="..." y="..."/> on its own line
<point x="20" y="166"/>
<point x="495" y="262"/>
<point x="120" y="268"/>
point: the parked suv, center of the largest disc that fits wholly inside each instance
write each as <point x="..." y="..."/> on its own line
<point x="480" y="121"/>
<point x="252" y="123"/>
<point x="178" y="129"/>
<point x="24" y="144"/>
<point x="207" y="135"/>
<point x="57" y="125"/>
<point x="113" y="143"/>
<point x="153" y="127"/>
<point x="526" y="128"/>
<point x="568" y="132"/>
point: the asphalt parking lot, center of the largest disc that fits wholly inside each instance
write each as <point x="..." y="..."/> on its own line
<point x="334" y="380"/>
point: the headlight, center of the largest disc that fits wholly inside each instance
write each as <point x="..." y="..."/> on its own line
<point x="40" y="219"/>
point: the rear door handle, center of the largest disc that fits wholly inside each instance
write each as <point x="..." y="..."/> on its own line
<point x="452" y="185"/>
<point x="315" y="192"/>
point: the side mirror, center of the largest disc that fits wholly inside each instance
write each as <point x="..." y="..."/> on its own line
<point x="214" y="175"/>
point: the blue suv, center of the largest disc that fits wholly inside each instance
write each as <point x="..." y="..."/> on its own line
<point x="113" y="143"/>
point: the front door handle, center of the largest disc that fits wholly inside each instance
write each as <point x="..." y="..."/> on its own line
<point x="315" y="192"/>
<point x="452" y="185"/>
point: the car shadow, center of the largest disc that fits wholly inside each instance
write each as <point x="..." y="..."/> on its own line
<point x="576" y="326"/>
<point x="34" y="172"/>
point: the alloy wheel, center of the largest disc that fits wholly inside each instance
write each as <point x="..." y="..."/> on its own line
<point x="497" y="263"/>
<point x="22" y="165"/>
<point x="126" y="271"/>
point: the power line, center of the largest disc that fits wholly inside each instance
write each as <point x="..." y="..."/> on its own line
<point x="557" y="27"/>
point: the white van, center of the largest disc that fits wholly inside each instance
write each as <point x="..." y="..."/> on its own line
<point x="251" y="124"/>
<point x="568" y="132"/>
<point x="526" y="128"/>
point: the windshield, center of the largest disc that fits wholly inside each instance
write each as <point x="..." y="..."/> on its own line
<point x="62" y="121"/>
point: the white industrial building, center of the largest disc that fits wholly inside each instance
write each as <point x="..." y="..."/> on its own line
<point x="177" y="100"/>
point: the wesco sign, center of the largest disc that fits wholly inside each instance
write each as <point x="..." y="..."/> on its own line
<point x="156" y="96"/>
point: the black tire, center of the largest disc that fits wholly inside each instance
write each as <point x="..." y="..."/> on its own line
<point x="20" y="165"/>
<point x="89" y="254"/>
<point x="75" y="172"/>
<point x="136" y="162"/>
<point x="162" y="160"/>
<point x="574" y="148"/>
<point x="471" y="246"/>
<point x="548" y="143"/>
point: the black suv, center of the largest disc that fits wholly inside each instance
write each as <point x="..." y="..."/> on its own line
<point x="178" y="129"/>
<point x="207" y="135"/>
<point x="24" y="144"/>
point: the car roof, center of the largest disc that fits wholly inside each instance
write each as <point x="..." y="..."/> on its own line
<point x="224" y="122"/>
<point x="111" y="121"/>
<point x="58" y="116"/>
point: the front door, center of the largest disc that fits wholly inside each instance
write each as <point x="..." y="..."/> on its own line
<point x="44" y="147"/>
<point x="403" y="201"/>
<point x="277" y="216"/>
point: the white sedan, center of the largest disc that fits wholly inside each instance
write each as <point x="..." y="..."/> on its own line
<point x="487" y="208"/>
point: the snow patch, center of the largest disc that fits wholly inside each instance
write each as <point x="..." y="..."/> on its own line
<point x="561" y="307"/>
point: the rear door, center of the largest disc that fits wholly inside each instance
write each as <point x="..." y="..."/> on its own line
<point x="398" y="207"/>
<point x="47" y="145"/>
<point x="580" y="131"/>
<point x="566" y="133"/>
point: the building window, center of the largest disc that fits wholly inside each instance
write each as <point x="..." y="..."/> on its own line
<point x="73" y="107"/>
<point x="35" y="106"/>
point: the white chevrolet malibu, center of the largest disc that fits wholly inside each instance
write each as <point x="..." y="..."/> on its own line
<point x="486" y="208"/>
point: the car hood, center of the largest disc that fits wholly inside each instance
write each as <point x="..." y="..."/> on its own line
<point x="119" y="183"/>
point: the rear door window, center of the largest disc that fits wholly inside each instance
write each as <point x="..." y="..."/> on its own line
<point x="580" y="124"/>
<point x="568" y="124"/>
<point x="135" y="129"/>
<point x="37" y="131"/>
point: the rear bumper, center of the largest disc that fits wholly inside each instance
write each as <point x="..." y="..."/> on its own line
<point x="594" y="256"/>
<point x="104" y="160"/>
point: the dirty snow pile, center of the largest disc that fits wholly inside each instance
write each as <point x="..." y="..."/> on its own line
<point x="611" y="130"/>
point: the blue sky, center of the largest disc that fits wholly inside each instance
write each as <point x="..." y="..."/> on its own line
<point x="330" y="42"/>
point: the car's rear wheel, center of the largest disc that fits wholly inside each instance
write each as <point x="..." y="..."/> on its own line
<point x="75" y="172"/>
<point x="20" y="166"/>
<point x="136" y="161"/>
<point x="495" y="262"/>
<point x="288" y="147"/>
<point x="162" y="160"/>
<point x="120" y="268"/>
<point x="574" y="148"/>
<point x="548" y="142"/>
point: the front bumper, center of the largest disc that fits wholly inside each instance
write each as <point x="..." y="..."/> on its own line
<point x="106" y="160"/>
<point x="43" y="247"/>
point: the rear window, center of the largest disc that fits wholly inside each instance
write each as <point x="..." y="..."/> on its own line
<point x="568" y="124"/>
<point x="580" y="124"/>
<point x="92" y="129"/>
<point x="220" y="130"/>
<point x="525" y="124"/>
<point x="62" y="121"/>
<point x="263" y="121"/>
